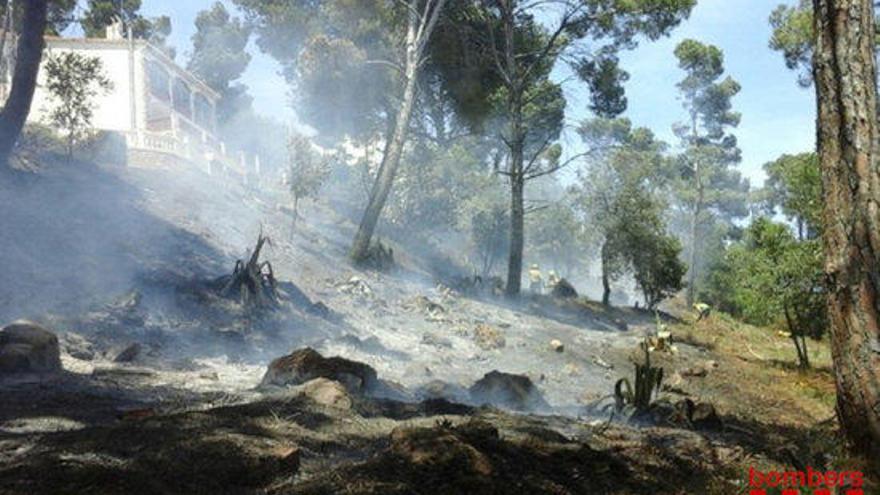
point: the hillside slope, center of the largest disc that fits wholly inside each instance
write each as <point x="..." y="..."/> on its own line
<point x="115" y="258"/>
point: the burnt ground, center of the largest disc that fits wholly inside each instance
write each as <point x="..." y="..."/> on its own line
<point x="122" y="257"/>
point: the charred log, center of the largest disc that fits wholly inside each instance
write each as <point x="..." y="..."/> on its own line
<point x="252" y="282"/>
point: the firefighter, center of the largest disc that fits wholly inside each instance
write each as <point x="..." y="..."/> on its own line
<point x="702" y="310"/>
<point x="536" y="281"/>
<point x="552" y="279"/>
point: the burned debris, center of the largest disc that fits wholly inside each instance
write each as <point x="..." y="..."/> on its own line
<point x="252" y="282"/>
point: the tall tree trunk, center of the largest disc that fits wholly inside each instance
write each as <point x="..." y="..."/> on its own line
<point x="845" y="75"/>
<point x="517" y="232"/>
<point x="606" y="279"/>
<point x="418" y="31"/>
<point x="8" y="7"/>
<point x="694" y="234"/>
<point x="393" y="151"/>
<point x="24" y="79"/>
<point x="516" y="144"/>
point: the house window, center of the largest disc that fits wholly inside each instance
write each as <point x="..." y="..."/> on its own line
<point x="158" y="79"/>
<point x="204" y="112"/>
<point x="182" y="95"/>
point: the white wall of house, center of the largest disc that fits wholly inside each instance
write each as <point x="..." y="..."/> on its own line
<point x="113" y="110"/>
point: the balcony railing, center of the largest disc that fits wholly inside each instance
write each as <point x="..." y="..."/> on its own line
<point x="208" y="153"/>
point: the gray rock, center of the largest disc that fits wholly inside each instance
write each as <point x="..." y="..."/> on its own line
<point x="129" y="354"/>
<point x="509" y="391"/>
<point x="76" y="346"/>
<point x="27" y="347"/>
<point x="307" y="364"/>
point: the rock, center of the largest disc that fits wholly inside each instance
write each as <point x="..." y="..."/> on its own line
<point x="429" y="307"/>
<point x="695" y="372"/>
<point x="307" y="364"/>
<point x="436" y="341"/>
<point x="701" y="416"/>
<point x="355" y="285"/>
<point x="445" y="447"/>
<point x="564" y="290"/>
<point x="601" y="362"/>
<point x="327" y="393"/>
<point x="509" y="391"/>
<point x="209" y="375"/>
<point x="557" y="345"/>
<point x="129" y="354"/>
<point x="438" y="389"/>
<point x="76" y="346"/>
<point x="27" y="347"/>
<point x="488" y="337"/>
<point x="705" y="417"/>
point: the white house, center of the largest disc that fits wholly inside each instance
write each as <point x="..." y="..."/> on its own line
<point x="166" y="114"/>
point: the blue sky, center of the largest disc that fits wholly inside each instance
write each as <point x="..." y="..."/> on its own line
<point x="777" y="115"/>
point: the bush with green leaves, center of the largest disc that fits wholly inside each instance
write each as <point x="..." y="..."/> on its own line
<point x="657" y="267"/>
<point x="774" y="279"/>
<point x="487" y="219"/>
<point x="74" y="81"/>
<point x="308" y="169"/>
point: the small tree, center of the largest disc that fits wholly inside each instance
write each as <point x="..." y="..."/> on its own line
<point x="777" y="279"/>
<point x="486" y="219"/>
<point x="73" y="81"/>
<point x="620" y="194"/>
<point x="658" y="271"/>
<point x="307" y="170"/>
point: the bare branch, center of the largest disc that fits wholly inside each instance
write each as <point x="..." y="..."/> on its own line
<point x="551" y="43"/>
<point x="534" y="159"/>
<point x="389" y="63"/>
<point x="425" y="30"/>
<point x="558" y="167"/>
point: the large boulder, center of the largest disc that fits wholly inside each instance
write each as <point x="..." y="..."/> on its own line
<point x="509" y="391"/>
<point x="306" y="364"/>
<point x="26" y="347"/>
<point x="326" y="393"/>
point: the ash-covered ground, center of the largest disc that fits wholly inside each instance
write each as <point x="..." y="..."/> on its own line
<point x="163" y="390"/>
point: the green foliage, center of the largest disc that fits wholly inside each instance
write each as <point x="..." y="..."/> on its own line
<point x="220" y="57"/>
<point x="771" y="278"/>
<point x="556" y="235"/>
<point x="338" y="92"/>
<point x="605" y="79"/>
<point x="706" y="98"/>
<point x="486" y="218"/>
<point x="434" y="183"/>
<point x="794" y="185"/>
<point x="73" y="81"/>
<point x="793" y="36"/>
<point x="59" y="16"/>
<point x="621" y="195"/>
<point x="340" y="55"/>
<point x="307" y="169"/>
<point x="648" y="380"/>
<point x="657" y="268"/>
<point x="103" y="13"/>
<point x="710" y="193"/>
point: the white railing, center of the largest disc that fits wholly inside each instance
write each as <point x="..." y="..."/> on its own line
<point x="207" y="153"/>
